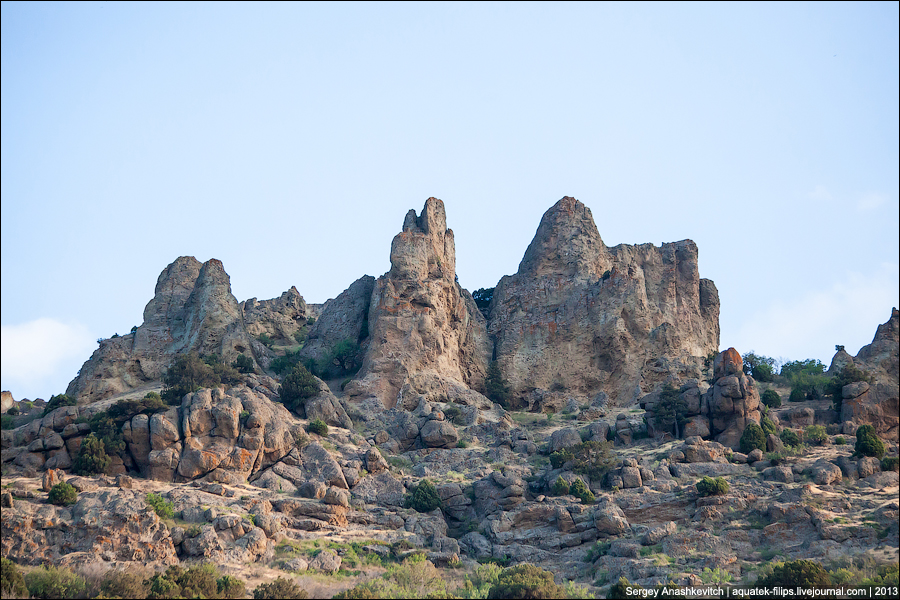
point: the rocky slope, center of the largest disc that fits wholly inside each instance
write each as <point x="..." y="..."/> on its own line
<point x="579" y="318"/>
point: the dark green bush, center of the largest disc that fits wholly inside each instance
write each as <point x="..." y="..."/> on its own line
<point x="815" y="434"/>
<point x="161" y="507"/>
<point x="12" y="584"/>
<point x="797" y="395"/>
<point x="318" y="426"/>
<point x="868" y="443"/>
<point x="840" y="441"/>
<point x="580" y="490"/>
<point x="712" y="487"/>
<point x="187" y="374"/>
<point x="109" y="432"/>
<point x="13" y="411"/>
<point x="767" y="425"/>
<point x="124" y="410"/>
<point x="526" y="581"/>
<point x="424" y="498"/>
<point x="623" y="589"/>
<point x="63" y="494"/>
<point x="761" y="368"/>
<point x="92" y="458"/>
<point x="483" y="297"/>
<point x="50" y="582"/>
<point x="794" y="574"/>
<point x="670" y="412"/>
<point x="265" y="339"/>
<point x="771" y="398"/>
<point x="790" y="437"/>
<point x="346" y="356"/>
<point x="890" y="463"/>
<point x="297" y="387"/>
<point x="283" y="365"/>
<point x="752" y="438"/>
<point x="231" y="587"/>
<point x="244" y="364"/>
<point x="58" y="401"/>
<point x="7" y="422"/>
<point x="280" y="588"/>
<point x="561" y="457"/>
<point x="199" y="581"/>
<point x="560" y="487"/>
<point x="496" y="387"/>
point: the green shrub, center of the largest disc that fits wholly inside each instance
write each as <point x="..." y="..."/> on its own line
<point x="561" y="457"/>
<point x="790" y="437"/>
<point x="424" y="498"/>
<point x="712" y="487"/>
<point x="794" y="574"/>
<point x="560" y="487"/>
<point x="761" y="368"/>
<point x="297" y="387"/>
<point x="199" y="581"/>
<point x="244" y="364"/>
<point x="283" y="365"/>
<point x="670" y="412"/>
<point x="265" y="339"/>
<point x="231" y="587"/>
<point x="752" y="438"/>
<point x="161" y="507"/>
<point x="868" y="443"/>
<point x="815" y="434"/>
<point x="496" y="387"/>
<point x="58" y="401"/>
<point x="280" y="588"/>
<point x="318" y="426"/>
<point x="797" y="395"/>
<point x="92" y="458"/>
<point x="771" y="398"/>
<point x="124" y="410"/>
<point x="346" y="356"/>
<point x="109" y="432"/>
<point x="890" y="463"/>
<point x="580" y="490"/>
<point x="7" y="422"/>
<point x="122" y="584"/>
<point x="12" y="584"/>
<point x="13" y="411"/>
<point x="50" y="582"/>
<point x="623" y="589"/>
<point x="840" y="441"/>
<point x="187" y="374"/>
<point x="525" y="581"/>
<point x="767" y="425"/>
<point x="63" y="494"/>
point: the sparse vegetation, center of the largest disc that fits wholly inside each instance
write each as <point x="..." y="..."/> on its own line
<point x="794" y="574"/>
<point x="525" y="581"/>
<point x="280" y="588"/>
<point x="850" y="373"/>
<point x="243" y="364"/>
<point x="189" y="373"/>
<point x="51" y="582"/>
<point x="483" y="297"/>
<point x="12" y="584"/>
<point x="815" y="435"/>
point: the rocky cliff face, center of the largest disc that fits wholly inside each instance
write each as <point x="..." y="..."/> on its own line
<point x="279" y="318"/>
<point x="877" y="404"/>
<point x="420" y="319"/>
<point x="343" y="318"/>
<point x="192" y="310"/>
<point x="584" y="318"/>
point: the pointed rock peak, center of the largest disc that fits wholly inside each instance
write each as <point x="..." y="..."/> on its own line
<point x="566" y="243"/>
<point x="212" y="273"/>
<point x="183" y="269"/>
<point x="433" y="219"/>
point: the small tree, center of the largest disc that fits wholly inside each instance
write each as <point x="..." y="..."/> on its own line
<point x="483" y="297"/>
<point x="187" y="374"/>
<point x="671" y="410"/>
<point x="243" y="364"/>
<point x="92" y="458"/>
<point x="297" y="387"/>
<point x="161" y="507"/>
<point x="424" y="498"/>
<point x="63" y="494"/>
<point x="771" y="398"/>
<point x="580" y="490"/>
<point x="560" y="487"/>
<point x="767" y="425"/>
<point x="752" y="438"/>
<point x="12" y="584"/>
<point x="623" y="589"/>
<point x="790" y="437"/>
<point x="868" y="443"/>
<point x="495" y="386"/>
<point x="815" y="434"/>
<point x="526" y="581"/>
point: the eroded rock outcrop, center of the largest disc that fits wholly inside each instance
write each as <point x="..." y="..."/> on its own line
<point x="420" y="319"/>
<point x="343" y="318"/>
<point x="581" y="317"/>
<point x="193" y="310"/>
<point x="279" y="318"/>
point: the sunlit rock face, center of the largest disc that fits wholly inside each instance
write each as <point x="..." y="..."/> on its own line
<point x="420" y="320"/>
<point x="581" y="318"/>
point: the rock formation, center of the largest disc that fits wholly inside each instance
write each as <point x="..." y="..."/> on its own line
<point x="420" y="320"/>
<point x="343" y="318"/>
<point x="279" y="318"/>
<point x="878" y="403"/>
<point x="584" y="318"/>
<point x="192" y="310"/>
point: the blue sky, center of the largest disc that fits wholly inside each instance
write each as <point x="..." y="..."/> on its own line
<point x="289" y="140"/>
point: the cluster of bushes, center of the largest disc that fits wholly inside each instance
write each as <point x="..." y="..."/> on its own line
<point x="189" y="373"/>
<point x="807" y="379"/>
<point x="709" y="486"/>
<point x="578" y="489"/>
<point x="594" y="459"/>
<point x="761" y="368"/>
<point x="282" y="365"/>
<point x="424" y="498"/>
<point x="345" y="358"/>
<point x="280" y="588"/>
<point x="483" y="297"/>
<point x="58" y="401"/>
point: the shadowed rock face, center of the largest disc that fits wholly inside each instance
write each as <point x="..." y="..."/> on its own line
<point x="192" y="310"/>
<point x="420" y="319"/>
<point x="343" y="318"/>
<point x="584" y="318"/>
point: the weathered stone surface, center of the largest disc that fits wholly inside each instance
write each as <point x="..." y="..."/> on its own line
<point x="279" y="318"/>
<point x="374" y="461"/>
<point x="825" y="473"/>
<point x="318" y="464"/>
<point x="732" y="401"/>
<point x="192" y="310"/>
<point x="563" y="438"/>
<point x="381" y="488"/>
<point x="439" y="434"/>
<point x="343" y="318"/>
<point x="326" y="407"/>
<point x="586" y="318"/>
<point x="609" y="519"/>
<point x="326" y="561"/>
<point x="420" y="319"/>
<point x="655" y="535"/>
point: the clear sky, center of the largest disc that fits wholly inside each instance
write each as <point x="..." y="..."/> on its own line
<point x="289" y="140"/>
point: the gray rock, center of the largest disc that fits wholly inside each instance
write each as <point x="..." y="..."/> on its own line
<point x="563" y="438"/>
<point x="439" y="434"/>
<point x="656" y="534"/>
<point x="326" y="561"/>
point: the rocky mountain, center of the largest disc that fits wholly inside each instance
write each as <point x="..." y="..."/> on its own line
<point x="279" y="318"/>
<point x="581" y="319"/>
